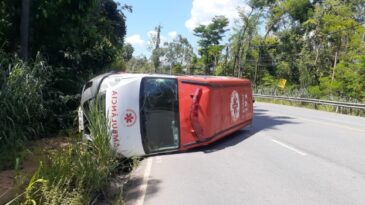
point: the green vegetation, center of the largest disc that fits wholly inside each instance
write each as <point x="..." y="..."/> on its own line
<point x="40" y="90"/>
<point x="40" y="83"/>
<point x="210" y="37"/>
<point x="79" y="172"/>
<point x="23" y="110"/>
<point x="317" y="46"/>
<point x="314" y="45"/>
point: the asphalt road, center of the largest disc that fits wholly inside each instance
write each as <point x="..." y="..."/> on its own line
<point x="289" y="156"/>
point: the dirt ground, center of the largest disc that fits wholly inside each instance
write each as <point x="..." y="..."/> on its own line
<point x="12" y="182"/>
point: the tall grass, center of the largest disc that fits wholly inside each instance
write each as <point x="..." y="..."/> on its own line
<point x="78" y="172"/>
<point x="22" y="108"/>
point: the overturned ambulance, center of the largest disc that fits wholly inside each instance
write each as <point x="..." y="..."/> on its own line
<point x="152" y="114"/>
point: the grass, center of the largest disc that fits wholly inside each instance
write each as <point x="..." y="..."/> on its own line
<point x="22" y="109"/>
<point x="9" y="156"/>
<point x="73" y="174"/>
<point x="77" y="173"/>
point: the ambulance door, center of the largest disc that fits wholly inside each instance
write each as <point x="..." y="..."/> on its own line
<point x="159" y="110"/>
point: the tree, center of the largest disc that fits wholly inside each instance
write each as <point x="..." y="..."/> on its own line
<point x="86" y="41"/>
<point x="241" y="39"/>
<point x="10" y="13"/>
<point x="157" y="53"/>
<point x="215" y="52"/>
<point x="210" y="35"/>
<point x="316" y="45"/>
<point x="179" y="52"/>
<point x="24" y="30"/>
<point x="127" y="52"/>
<point x="139" y="64"/>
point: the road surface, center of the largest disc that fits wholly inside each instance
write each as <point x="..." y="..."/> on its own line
<point x="289" y="156"/>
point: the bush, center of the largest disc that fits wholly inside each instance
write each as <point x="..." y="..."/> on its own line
<point x="268" y="80"/>
<point x="219" y="70"/>
<point x="74" y="174"/>
<point x="315" y="91"/>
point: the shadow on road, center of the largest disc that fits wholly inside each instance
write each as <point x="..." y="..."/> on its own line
<point x="132" y="189"/>
<point x="261" y="121"/>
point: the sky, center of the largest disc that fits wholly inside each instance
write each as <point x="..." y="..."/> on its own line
<point x="175" y="17"/>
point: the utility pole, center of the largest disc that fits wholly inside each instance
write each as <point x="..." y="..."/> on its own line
<point x="156" y="50"/>
<point x="24" y="30"/>
<point x="158" y="31"/>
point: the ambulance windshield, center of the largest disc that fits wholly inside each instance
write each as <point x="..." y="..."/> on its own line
<point x="159" y="114"/>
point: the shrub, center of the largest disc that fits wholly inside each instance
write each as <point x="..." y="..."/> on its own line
<point x="75" y="173"/>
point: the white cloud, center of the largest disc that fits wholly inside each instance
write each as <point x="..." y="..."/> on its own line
<point x="172" y="34"/>
<point x="203" y="11"/>
<point x="135" y="40"/>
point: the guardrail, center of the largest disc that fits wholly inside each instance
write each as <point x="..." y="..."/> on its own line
<point x="315" y="101"/>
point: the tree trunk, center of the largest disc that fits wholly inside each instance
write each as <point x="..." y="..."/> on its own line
<point x="207" y="68"/>
<point x="256" y="67"/>
<point x="225" y="61"/>
<point x="239" y="66"/>
<point x="244" y="55"/>
<point x="238" y="51"/>
<point x="334" y="68"/>
<point x="24" y="30"/>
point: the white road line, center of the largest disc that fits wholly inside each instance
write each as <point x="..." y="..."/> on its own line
<point x="143" y="187"/>
<point x="290" y="147"/>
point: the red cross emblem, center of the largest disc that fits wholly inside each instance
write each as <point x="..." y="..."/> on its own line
<point x="129" y="117"/>
<point x="235" y="105"/>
